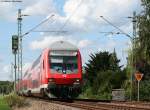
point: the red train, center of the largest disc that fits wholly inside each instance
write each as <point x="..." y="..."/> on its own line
<point x="57" y="72"/>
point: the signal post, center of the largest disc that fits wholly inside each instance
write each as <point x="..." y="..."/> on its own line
<point x="14" y="51"/>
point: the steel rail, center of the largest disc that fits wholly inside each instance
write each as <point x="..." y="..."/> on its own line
<point x="93" y="104"/>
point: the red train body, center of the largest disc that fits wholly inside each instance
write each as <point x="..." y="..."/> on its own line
<point x="57" y="72"/>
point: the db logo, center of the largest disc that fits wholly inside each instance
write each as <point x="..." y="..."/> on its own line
<point x="64" y="75"/>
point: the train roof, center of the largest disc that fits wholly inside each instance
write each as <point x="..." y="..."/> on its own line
<point x="63" y="45"/>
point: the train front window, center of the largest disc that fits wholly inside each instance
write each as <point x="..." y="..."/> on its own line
<point x="63" y="64"/>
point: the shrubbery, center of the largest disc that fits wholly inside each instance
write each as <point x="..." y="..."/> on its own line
<point x="145" y="90"/>
<point x="102" y="74"/>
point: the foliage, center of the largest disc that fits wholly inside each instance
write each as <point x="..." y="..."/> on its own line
<point x="141" y="52"/>
<point x="142" y="45"/>
<point x="144" y="90"/>
<point x="101" y="61"/>
<point x="6" y="87"/>
<point x="103" y="74"/>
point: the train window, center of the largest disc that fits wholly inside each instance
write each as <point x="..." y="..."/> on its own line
<point x="34" y="83"/>
<point x="29" y="75"/>
<point x="36" y="62"/>
<point x="25" y="73"/>
<point x="63" y="64"/>
<point x="43" y="64"/>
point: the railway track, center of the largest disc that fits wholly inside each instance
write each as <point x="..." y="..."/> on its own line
<point x="103" y="105"/>
<point x="90" y="104"/>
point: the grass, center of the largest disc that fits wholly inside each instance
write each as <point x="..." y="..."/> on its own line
<point x="13" y="100"/>
<point x="3" y="104"/>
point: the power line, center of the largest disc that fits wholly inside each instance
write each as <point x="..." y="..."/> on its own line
<point x="111" y="32"/>
<point x="10" y="1"/>
<point x="116" y="27"/>
<point x="32" y="30"/>
<point x="38" y="25"/>
<point x="49" y="31"/>
<point x="71" y="15"/>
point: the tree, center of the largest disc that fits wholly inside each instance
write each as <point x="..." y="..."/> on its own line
<point x="143" y="45"/>
<point x="103" y="74"/>
<point x="142" y="50"/>
<point x="98" y="62"/>
<point x="114" y="62"/>
<point x="6" y="87"/>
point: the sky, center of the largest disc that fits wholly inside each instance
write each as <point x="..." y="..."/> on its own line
<point x="79" y="19"/>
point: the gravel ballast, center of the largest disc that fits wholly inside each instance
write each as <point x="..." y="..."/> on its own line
<point x="41" y="105"/>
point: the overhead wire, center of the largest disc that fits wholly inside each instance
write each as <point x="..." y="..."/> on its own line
<point x="10" y="1"/>
<point x="49" y="31"/>
<point x="75" y="10"/>
<point x="32" y="29"/>
<point x="38" y="25"/>
<point x="116" y="27"/>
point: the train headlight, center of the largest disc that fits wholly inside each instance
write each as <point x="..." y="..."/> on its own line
<point x="51" y="80"/>
<point x="77" y="80"/>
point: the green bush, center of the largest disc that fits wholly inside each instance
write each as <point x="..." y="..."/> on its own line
<point x="144" y="90"/>
<point x="102" y="74"/>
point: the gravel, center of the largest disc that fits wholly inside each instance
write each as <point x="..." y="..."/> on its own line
<point x="40" y="105"/>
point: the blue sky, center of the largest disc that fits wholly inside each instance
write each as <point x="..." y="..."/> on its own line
<point x="82" y="23"/>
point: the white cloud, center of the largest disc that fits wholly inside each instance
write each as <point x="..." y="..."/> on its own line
<point x="84" y="17"/>
<point x="77" y="9"/>
<point x="84" y="43"/>
<point x="82" y="14"/>
<point x="108" y="46"/>
<point x="89" y="11"/>
<point x="7" y="11"/>
<point x="40" y="7"/>
<point x="6" y="69"/>
<point x="5" y="73"/>
<point x="1" y="58"/>
<point x="128" y="28"/>
<point x="45" y="42"/>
